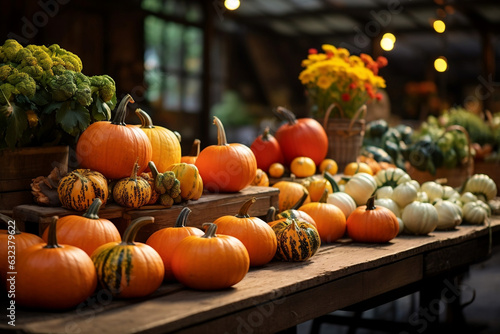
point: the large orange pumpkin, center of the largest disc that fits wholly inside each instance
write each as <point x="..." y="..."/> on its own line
<point x="112" y="147"/>
<point x="226" y="167"/>
<point x="86" y="232"/>
<point x="303" y="137"/>
<point x="165" y="240"/>
<point x="258" y="238"/>
<point x="165" y="144"/>
<point x="267" y="150"/>
<point x="53" y="276"/>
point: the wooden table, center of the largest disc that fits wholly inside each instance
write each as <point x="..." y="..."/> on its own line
<point x="279" y="295"/>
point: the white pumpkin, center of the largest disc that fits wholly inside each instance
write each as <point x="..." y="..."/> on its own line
<point x="415" y="184"/>
<point x="404" y="194"/>
<point x="433" y="190"/>
<point x="422" y="197"/>
<point x="450" y="193"/>
<point x="391" y="177"/>
<point x="384" y="192"/>
<point x="420" y="218"/>
<point x="468" y="197"/>
<point x="449" y="215"/>
<point x="343" y="201"/>
<point x="401" y="225"/>
<point x="482" y="186"/>
<point x="389" y="204"/>
<point x="360" y="187"/>
<point x="475" y="212"/>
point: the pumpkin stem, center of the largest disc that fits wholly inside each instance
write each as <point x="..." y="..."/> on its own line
<point x="52" y="237"/>
<point x="133" y="176"/>
<point x="286" y="115"/>
<point x="370" y="204"/>
<point x="271" y="214"/>
<point x="243" y="213"/>
<point x="135" y="225"/>
<point x="182" y="218"/>
<point x="333" y="183"/>
<point x="221" y="134"/>
<point x="93" y="210"/>
<point x="195" y="149"/>
<point x="324" y="197"/>
<point x="154" y="170"/>
<point x="146" y="121"/>
<point x="301" y="200"/>
<point x="210" y="231"/>
<point x="121" y="111"/>
<point x="265" y="134"/>
<point x="6" y="220"/>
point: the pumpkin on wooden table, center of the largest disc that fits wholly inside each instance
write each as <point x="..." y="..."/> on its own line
<point x="482" y="186"/>
<point x="166" y="149"/>
<point x="78" y="189"/>
<point x="211" y="261"/>
<point x="111" y="147"/>
<point x="420" y="218"/>
<point x="54" y="276"/>
<point x="165" y="240"/>
<point x="303" y="137"/>
<point x="290" y="193"/>
<point x="316" y="186"/>
<point x="155" y="195"/>
<point x="226" y="167"/>
<point x="261" y="179"/>
<point x="19" y="241"/>
<point x="258" y="238"/>
<point x="360" y="187"/>
<point x="133" y="191"/>
<point x="338" y="198"/>
<point x="193" y="154"/>
<point x="189" y="178"/>
<point x="129" y="269"/>
<point x="297" y="239"/>
<point x="370" y="223"/>
<point x="330" y="220"/>
<point x="267" y="150"/>
<point x="293" y="212"/>
<point x="86" y="232"/>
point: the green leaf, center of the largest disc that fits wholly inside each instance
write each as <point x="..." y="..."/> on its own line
<point x="41" y="97"/>
<point x="73" y="119"/>
<point x="100" y="110"/>
<point x="52" y="107"/>
<point x="17" y="123"/>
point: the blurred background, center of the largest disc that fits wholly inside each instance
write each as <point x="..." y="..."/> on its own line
<point x="184" y="61"/>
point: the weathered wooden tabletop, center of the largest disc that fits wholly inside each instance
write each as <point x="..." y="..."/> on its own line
<point x="278" y="295"/>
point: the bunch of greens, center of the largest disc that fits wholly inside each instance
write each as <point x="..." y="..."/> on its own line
<point x="44" y="97"/>
<point x="478" y="129"/>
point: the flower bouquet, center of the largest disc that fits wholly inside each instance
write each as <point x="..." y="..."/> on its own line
<point x="339" y="85"/>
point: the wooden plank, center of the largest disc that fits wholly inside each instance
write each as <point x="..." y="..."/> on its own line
<point x="11" y="199"/>
<point x="379" y="267"/>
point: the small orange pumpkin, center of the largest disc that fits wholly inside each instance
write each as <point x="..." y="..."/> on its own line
<point x="193" y="155"/>
<point x="357" y="167"/>
<point x="78" y="189"/>
<point x="261" y="179"/>
<point x="290" y="193"/>
<point x="294" y="212"/>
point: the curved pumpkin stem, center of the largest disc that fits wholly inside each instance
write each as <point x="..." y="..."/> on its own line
<point x="6" y="220"/>
<point x="301" y="200"/>
<point x="131" y="231"/>
<point x="265" y="134"/>
<point x="154" y="170"/>
<point x="324" y="197"/>
<point x="271" y="214"/>
<point x="210" y="232"/>
<point x="93" y="210"/>
<point x="286" y="115"/>
<point x="195" y="148"/>
<point x="182" y="218"/>
<point x="146" y="121"/>
<point x="133" y="176"/>
<point x="333" y="183"/>
<point x="52" y="237"/>
<point x="121" y="111"/>
<point x="294" y="225"/>
<point x="370" y="204"/>
<point x="221" y="134"/>
<point x="243" y="213"/>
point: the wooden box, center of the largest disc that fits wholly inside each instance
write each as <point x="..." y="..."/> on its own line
<point x="34" y="219"/>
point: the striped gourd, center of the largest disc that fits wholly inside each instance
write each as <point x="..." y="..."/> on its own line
<point x="189" y="177"/>
<point x="78" y="189"/>
<point x="297" y="239"/>
<point x="129" y="269"/>
<point x="133" y="191"/>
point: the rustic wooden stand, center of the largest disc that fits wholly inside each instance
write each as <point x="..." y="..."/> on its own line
<point x="35" y="219"/>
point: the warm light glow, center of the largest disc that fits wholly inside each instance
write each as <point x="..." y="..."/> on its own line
<point x="440" y="64"/>
<point x="232" y="4"/>
<point x="439" y="26"/>
<point x="387" y="42"/>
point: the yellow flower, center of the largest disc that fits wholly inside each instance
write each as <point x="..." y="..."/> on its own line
<point x="324" y="82"/>
<point x="329" y="48"/>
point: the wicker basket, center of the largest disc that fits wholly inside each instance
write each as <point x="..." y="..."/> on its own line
<point x="345" y="136"/>
<point x="453" y="177"/>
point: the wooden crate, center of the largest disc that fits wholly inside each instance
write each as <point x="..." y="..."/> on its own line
<point x="35" y="219"/>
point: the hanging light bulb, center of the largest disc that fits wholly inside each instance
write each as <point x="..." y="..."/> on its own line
<point x="232" y="4"/>
<point x="439" y="26"/>
<point x="441" y="64"/>
<point x="387" y="42"/>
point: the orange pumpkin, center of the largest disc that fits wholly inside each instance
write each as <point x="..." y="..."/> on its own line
<point x="290" y="193"/>
<point x="316" y="185"/>
<point x="111" y="147"/>
<point x="165" y="240"/>
<point x="226" y="167"/>
<point x="372" y="163"/>
<point x="303" y="167"/>
<point x="189" y="178"/>
<point x="86" y="232"/>
<point x="293" y="212"/>
<point x="261" y="179"/>
<point x="78" y="189"/>
<point x="276" y="170"/>
<point x="266" y="150"/>
<point x="193" y="155"/>
<point x="330" y="220"/>
<point x="357" y="167"/>
<point x="53" y="276"/>
<point x="165" y="144"/>
<point x="18" y="243"/>
<point x="211" y="261"/>
<point x="369" y="223"/>
<point x="258" y="238"/>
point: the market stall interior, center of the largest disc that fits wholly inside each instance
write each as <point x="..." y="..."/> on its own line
<point x="293" y="133"/>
